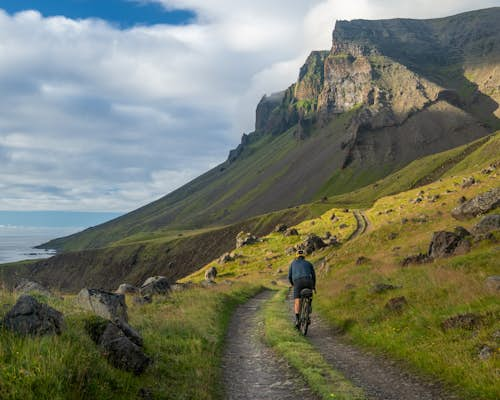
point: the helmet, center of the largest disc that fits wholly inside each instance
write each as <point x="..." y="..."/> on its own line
<point x="300" y="253"/>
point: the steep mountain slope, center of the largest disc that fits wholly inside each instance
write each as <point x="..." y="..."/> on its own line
<point x="387" y="93"/>
<point x="176" y="254"/>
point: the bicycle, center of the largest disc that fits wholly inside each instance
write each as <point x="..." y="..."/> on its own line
<point x="305" y="310"/>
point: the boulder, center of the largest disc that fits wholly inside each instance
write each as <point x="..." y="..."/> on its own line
<point x="245" y="239"/>
<point x="480" y="204"/>
<point x="226" y="257"/>
<point x="125" y="288"/>
<point x="343" y="226"/>
<point x="468" y="182"/>
<point x="30" y="317"/>
<point x="489" y="223"/>
<point x="493" y="283"/>
<point x="26" y="286"/>
<point x="462" y="321"/>
<point x="122" y="352"/>
<point x="396" y="304"/>
<point x="291" y="232"/>
<point x="211" y="274"/>
<point x="311" y="244"/>
<point x="383" y="287"/>
<point x="362" y="260"/>
<point x="105" y="304"/>
<point x="155" y="285"/>
<point x="445" y="244"/>
<point x="280" y="228"/>
<point x="416" y="259"/>
<point x="485" y="352"/>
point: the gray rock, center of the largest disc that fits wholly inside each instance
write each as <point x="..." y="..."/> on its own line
<point x="226" y="257"/>
<point x="489" y="223"/>
<point x="27" y="286"/>
<point x="416" y="259"/>
<point x="121" y="352"/>
<point x="493" y="283"/>
<point x="468" y="182"/>
<point x="125" y="288"/>
<point x="211" y="274"/>
<point x="462" y="321"/>
<point x="382" y="288"/>
<point x="141" y="300"/>
<point x="291" y="232"/>
<point x="396" y="304"/>
<point x="485" y="352"/>
<point x="155" y="285"/>
<point x="362" y="260"/>
<point x="311" y="244"/>
<point x="30" y="317"/>
<point x="445" y="244"/>
<point x="245" y="239"/>
<point x="280" y="228"/>
<point x="130" y="332"/>
<point x="480" y="204"/>
<point x="105" y="304"/>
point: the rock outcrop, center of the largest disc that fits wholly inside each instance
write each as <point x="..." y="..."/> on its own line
<point x="107" y="305"/>
<point x="489" y="223"/>
<point x="155" y="285"/>
<point x="126" y="288"/>
<point x="26" y="286"/>
<point x="480" y="204"/>
<point x="30" y="317"/>
<point x="211" y="274"/>
<point x="245" y="239"/>
<point x="445" y="244"/>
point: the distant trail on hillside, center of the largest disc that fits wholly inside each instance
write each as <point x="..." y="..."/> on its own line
<point x="250" y="369"/>
<point x="363" y="223"/>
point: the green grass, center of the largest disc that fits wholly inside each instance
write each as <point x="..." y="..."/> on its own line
<point x="286" y="341"/>
<point x="183" y="334"/>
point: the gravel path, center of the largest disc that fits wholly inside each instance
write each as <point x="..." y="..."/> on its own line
<point x="251" y="369"/>
<point x="380" y="378"/>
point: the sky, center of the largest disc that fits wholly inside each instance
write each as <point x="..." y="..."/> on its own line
<point x="110" y="104"/>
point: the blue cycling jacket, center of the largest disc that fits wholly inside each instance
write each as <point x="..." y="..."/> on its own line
<point x="300" y="268"/>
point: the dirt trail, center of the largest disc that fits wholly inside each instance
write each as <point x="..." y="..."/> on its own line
<point x="363" y="224"/>
<point x="380" y="378"/>
<point x="251" y="369"/>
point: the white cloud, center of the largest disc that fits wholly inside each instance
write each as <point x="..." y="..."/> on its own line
<point x="97" y="118"/>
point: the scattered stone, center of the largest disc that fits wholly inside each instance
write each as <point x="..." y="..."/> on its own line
<point x="125" y="288"/>
<point x="433" y="199"/>
<point x="489" y="223"/>
<point x="122" y="352"/>
<point x="327" y="236"/>
<point x="333" y="217"/>
<point x="206" y="283"/>
<point x="485" y="352"/>
<point x="418" y="200"/>
<point x="468" y="182"/>
<point x="291" y="232"/>
<point x="245" y="239"/>
<point x="343" y="226"/>
<point x="392" y="236"/>
<point x="396" y="248"/>
<point x="462" y="200"/>
<point x="211" y="274"/>
<point x="480" y="204"/>
<point x="179" y="287"/>
<point x="350" y="286"/>
<point x="155" y="285"/>
<point x="493" y="283"/>
<point x="279" y="271"/>
<point x="416" y="259"/>
<point x="30" y="317"/>
<point x="346" y="210"/>
<point x="383" y="287"/>
<point x="445" y="244"/>
<point x="141" y="300"/>
<point x="26" y="287"/>
<point x="332" y="241"/>
<point x="463" y="321"/>
<point x="404" y="221"/>
<point x="311" y="244"/>
<point x="145" y="394"/>
<point x="105" y="304"/>
<point x="274" y="283"/>
<point x="396" y="304"/>
<point x="226" y="257"/>
<point x="421" y="219"/>
<point x="389" y="211"/>
<point x="280" y="228"/>
<point x="362" y="260"/>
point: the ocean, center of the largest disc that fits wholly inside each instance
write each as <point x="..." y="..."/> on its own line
<point x="17" y="243"/>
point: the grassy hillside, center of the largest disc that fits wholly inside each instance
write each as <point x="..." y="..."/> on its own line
<point x="184" y="331"/>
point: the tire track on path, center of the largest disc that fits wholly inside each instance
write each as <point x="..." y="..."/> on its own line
<point x="251" y="370"/>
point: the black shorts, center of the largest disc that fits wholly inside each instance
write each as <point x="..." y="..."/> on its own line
<point x="301" y="283"/>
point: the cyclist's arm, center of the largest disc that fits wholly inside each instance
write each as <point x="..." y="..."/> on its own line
<point x="290" y="275"/>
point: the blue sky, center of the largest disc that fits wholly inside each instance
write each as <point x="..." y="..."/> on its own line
<point x="124" y="13"/>
<point x="112" y="113"/>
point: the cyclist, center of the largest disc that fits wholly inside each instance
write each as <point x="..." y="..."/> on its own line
<point x="301" y="275"/>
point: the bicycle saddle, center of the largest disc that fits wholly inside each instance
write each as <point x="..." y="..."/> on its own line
<point x="306" y="292"/>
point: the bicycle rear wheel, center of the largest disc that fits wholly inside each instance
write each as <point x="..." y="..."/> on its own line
<point x="304" y="315"/>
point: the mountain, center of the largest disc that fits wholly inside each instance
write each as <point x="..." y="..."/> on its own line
<point x="387" y="93"/>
